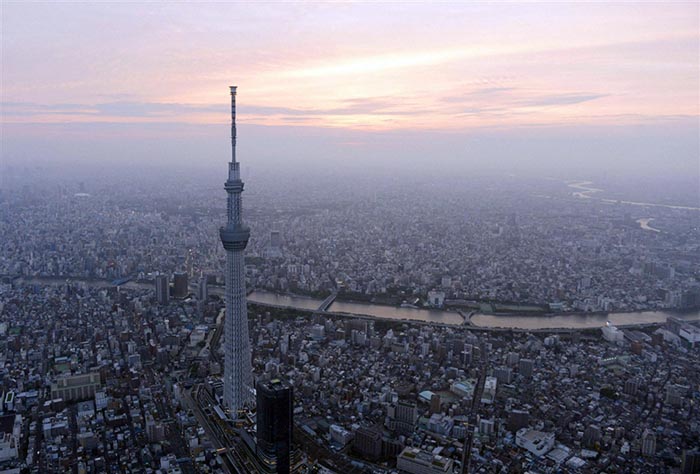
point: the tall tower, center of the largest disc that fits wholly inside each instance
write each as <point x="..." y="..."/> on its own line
<point x="234" y="236"/>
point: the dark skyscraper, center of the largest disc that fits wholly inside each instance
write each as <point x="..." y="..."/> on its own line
<point x="275" y="239"/>
<point x="274" y="419"/>
<point x="180" y="285"/>
<point x="162" y="289"/>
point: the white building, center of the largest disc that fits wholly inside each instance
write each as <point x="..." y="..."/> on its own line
<point x="340" y="435"/>
<point x="690" y="334"/>
<point x="537" y="442"/>
<point x="489" y="394"/>
<point x="486" y="427"/>
<point x="440" y="424"/>
<point x="318" y="332"/>
<point x="416" y="461"/>
<point x="436" y="299"/>
<point x="463" y="388"/>
<point x="612" y="334"/>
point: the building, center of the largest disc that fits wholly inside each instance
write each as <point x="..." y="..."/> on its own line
<point x="416" y="461"/>
<point x="368" y="443"/>
<point x="10" y="431"/>
<point x="162" y="289"/>
<point x="203" y="289"/>
<point x="180" y="286"/>
<point x="526" y="367"/>
<point x="489" y="393"/>
<point x="435" y="406"/>
<point x="275" y="414"/>
<point x="486" y="427"/>
<point x="592" y="435"/>
<point x="76" y="387"/>
<point x="340" y="435"/>
<point x="275" y="239"/>
<point x="503" y="374"/>
<point x="612" y="334"/>
<point x="537" y="442"/>
<point x="440" y="424"/>
<point x="234" y="237"/>
<point x="631" y="387"/>
<point x="436" y="299"/>
<point x="690" y="333"/>
<point x="518" y="419"/>
<point x="405" y="416"/>
<point x="648" y="443"/>
<point x="463" y="388"/>
<point x="690" y="462"/>
<point x="155" y="430"/>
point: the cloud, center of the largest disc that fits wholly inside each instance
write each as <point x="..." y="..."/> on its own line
<point x="485" y="92"/>
<point x="355" y="106"/>
<point x="559" y="99"/>
<point x="110" y="109"/>
<point x="122" y="109"/>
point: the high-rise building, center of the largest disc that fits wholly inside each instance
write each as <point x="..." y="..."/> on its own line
<point x="592" y="435"/>
<point x="275" y="239"/>
<point x="162" y="289"/>
<point x="526" y="366"/>
<point x="203" y="289"/>
<point x="435" y="405"/>
<point x="690" y="462"/>
<point x="406" y="414"/>
<point x="504" y="374"/>
<point x="234" y="237"/>
<point x="648" y="443"/>
<point x="180" y="288"/>
<point x="368" y="443"/>
<point x="631" y="387"/>
<point x="274" y="424"/>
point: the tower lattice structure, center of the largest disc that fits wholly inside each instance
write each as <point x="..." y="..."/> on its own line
<point x="234" y="237"/>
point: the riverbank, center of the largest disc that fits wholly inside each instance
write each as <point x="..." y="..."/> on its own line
<point x="528" y="322"/>
<point x="481" y="321"/>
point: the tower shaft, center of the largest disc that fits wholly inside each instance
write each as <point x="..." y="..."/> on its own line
<point x="234" y="237"/>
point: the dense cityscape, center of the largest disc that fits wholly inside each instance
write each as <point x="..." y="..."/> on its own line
<point x="364" y="389"/>
<point x="413" y="238"/>
<point x="112" y="317"/>
<point x="538" y="244"/>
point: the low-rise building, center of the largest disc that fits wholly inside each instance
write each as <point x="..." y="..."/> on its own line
<point x="416" y="461"/>
<point x="536" y="442"/>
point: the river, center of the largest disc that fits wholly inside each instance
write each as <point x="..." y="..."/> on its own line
<point x="586" y="192"/>
<point x="393" y="312"/>
<point x="578" y="321"/>
<point x="560" y="321"/>
<point x="364" y="309"/>
<point x="274" y="299"/>
<point x="644" y="224"/>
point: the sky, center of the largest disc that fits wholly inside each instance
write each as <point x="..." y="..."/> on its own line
<point x="507" y="84"/>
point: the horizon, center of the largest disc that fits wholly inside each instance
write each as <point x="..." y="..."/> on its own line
<point x="571" y="88"/>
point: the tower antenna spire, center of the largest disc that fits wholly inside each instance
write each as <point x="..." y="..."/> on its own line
<point x="234" y="172"/>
